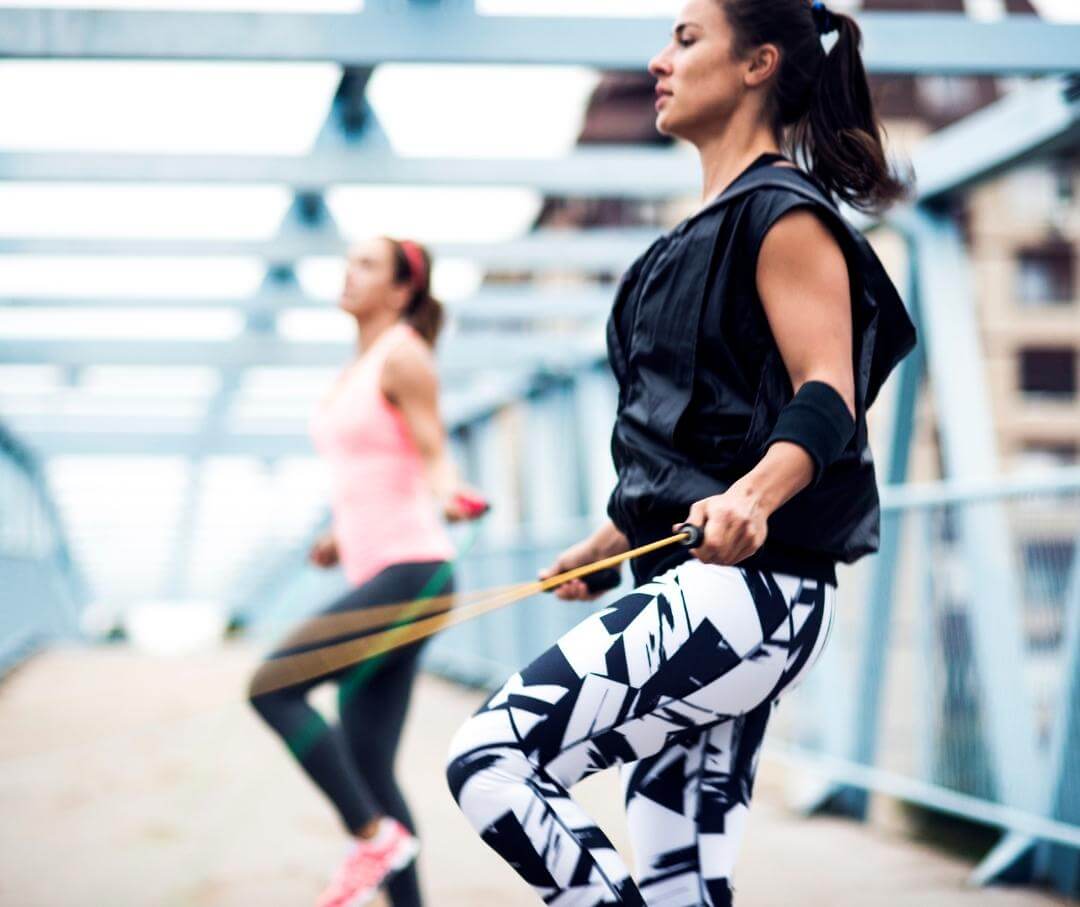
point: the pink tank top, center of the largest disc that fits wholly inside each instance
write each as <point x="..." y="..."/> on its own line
<point x="383" y="509"/>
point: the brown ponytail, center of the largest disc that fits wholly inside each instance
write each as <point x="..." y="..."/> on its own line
<point x="412" y="266"/>
<point x="822" y="110"/>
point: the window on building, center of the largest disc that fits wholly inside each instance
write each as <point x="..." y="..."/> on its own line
<point x="1046" y="275"/>
<point x="1050" y="453"/>
<point x="1048" y="371"/>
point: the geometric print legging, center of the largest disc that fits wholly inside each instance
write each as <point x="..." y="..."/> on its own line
<point x="674" y="682"/>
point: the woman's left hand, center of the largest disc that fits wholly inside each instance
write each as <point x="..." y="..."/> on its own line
<point x="735" y="526"/>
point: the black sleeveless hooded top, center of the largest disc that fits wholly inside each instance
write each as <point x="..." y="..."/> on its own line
<point x="701" y="380"/>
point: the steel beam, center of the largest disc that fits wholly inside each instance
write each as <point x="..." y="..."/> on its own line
<point x="624" y="172"/>
<point x="1025" y="122"/>
<point x="951" y="338"/>
<point x="600" y="249"/>
<point x="448" y="33"/>
<point x="496" y="304"/>
<point x="116" y="436"/>
<point x="1060" y="864"/>
<point x="307" y="214"/>
<point x="476" y="350"/>
<point x="1037" y="118"/>
<point x="861" y="707"/>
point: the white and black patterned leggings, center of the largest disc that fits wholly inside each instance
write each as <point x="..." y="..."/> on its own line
<point x="674" y="682"/>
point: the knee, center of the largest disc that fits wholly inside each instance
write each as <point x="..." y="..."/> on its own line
<point x="261" y="700"/>
<point x="460" y="764"/>
<point x="485" y="759"/>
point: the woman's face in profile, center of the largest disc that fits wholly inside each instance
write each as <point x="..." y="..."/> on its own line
<point x="698" y="79"/>
<point x="369" y="278"/>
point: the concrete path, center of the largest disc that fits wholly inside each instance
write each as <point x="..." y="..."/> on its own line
<point x="128" y="781"/>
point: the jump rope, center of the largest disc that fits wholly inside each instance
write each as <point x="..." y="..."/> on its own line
<point x="392" y="626"/>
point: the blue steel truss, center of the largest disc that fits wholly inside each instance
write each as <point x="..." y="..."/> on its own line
<point x="1027" y="785"/>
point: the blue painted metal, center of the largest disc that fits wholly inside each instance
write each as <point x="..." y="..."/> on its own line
<point x="594" y="249"/>
<point x="950" y="340"/>
<point x="498" y="449"/>
<point x="596" y="398"/>
<point x="861" y="742"/>
<point x="96" y="436"/>
<point x="940" y="799"/>
<point x="628" y="172"/>
<point x="1033" y="120"/>
<point x="306" y="214"/>
<point x="964" y="490"/>
<point x="41" y="590"/>
<point x="894" y="42"/>
<point x="532" y="351"/>
<point x="517" y="304"/>
<point x="485" y="651"/>
<point x="1062" y="865"/>
<point x="552" y="494"/>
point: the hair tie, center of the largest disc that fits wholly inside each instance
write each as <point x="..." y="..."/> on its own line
<point x="823" y="19"/>
<point x="417" y="265"/>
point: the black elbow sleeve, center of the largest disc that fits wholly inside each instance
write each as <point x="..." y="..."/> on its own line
<point x="819" y="421"/>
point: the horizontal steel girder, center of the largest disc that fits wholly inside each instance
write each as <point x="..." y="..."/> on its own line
<point x="445" y="33"/>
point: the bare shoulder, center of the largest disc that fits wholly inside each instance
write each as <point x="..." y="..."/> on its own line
<point x="409" y="364"/>
<point x="800" y="240"/>
<point x="410" y="349"/>
<point x="799" y="228"/>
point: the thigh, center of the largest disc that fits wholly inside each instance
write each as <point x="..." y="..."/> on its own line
<point x="374" y="702"/>
<point x="662" y="796"/>
<point x="695" y="646"/>
<point x="397" y="584"/>
<point x="729" y="766"/>
<point x="687" y="808"/>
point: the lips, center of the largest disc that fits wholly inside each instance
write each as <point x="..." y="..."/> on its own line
<point x="662" y="94"/>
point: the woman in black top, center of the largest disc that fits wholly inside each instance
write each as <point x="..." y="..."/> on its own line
<point x="748" y="344"/>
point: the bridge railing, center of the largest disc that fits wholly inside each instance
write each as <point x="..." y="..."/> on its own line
<point x="40" y="590"/>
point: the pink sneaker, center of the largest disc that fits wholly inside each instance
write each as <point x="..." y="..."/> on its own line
<point x="370" y="862"/>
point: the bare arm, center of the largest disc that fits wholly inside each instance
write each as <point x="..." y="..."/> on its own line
<point x="410" y="382"/>
<point x="803" y="283"/>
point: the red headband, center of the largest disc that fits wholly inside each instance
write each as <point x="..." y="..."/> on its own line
<point x="417" y="264"/>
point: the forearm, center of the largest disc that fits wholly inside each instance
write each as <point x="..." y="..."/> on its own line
<point x="608" y="540"/>
<point x="784" y="471"/>
<point x="442" y="474"/>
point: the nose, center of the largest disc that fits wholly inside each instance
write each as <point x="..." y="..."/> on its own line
<point x="660" y="65"/>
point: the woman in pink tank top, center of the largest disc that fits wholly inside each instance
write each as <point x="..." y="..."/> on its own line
<point x="392" y="485"/>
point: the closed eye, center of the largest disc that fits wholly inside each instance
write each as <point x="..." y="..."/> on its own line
<point x="681" y="36"/>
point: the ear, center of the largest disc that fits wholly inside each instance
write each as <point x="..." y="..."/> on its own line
<point x="764" y="64"/>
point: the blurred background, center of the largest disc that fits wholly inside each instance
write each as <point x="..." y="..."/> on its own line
<point x="178" y="182"/>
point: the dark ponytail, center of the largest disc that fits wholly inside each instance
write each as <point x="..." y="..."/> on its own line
<point x="412" y="266"/>
<point x="822" y="110"/>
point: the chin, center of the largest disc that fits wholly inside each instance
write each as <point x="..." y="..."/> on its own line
<point x="663" y="125"/>
<point x="669" y="125"/>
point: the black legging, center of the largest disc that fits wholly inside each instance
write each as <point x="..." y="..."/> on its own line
<point x="353" y="764"/>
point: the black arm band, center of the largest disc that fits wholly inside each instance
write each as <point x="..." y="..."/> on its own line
<point x="819" y="421"/>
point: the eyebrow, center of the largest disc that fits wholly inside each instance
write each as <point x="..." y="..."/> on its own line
<point x="681" y="27"/>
